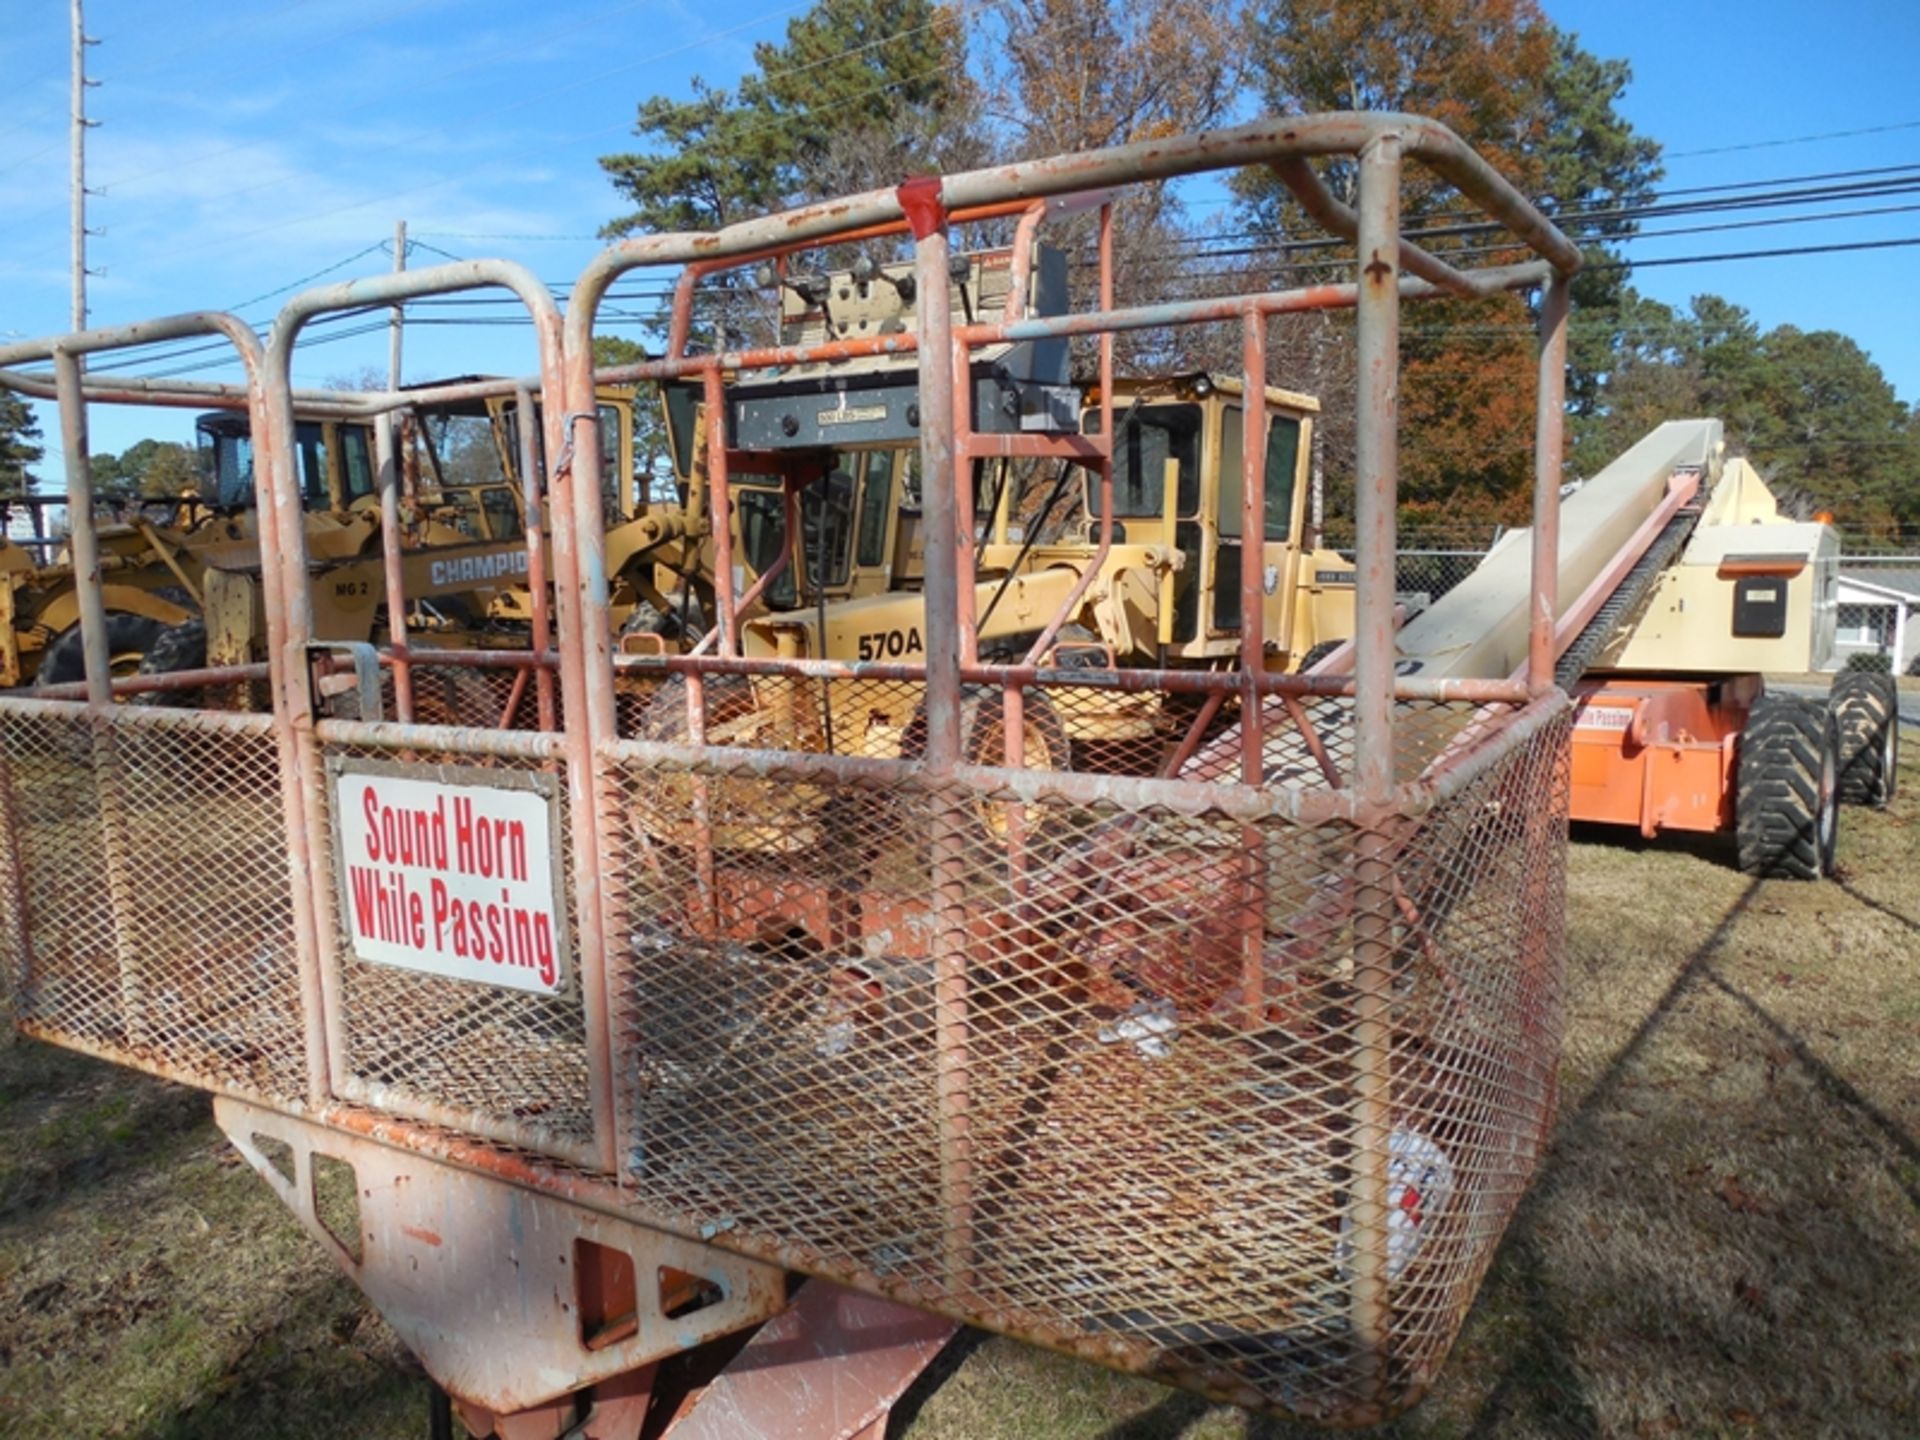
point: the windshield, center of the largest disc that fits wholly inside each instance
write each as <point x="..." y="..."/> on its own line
<point x="226" y="451"/>
<point x="1150" y="436"/>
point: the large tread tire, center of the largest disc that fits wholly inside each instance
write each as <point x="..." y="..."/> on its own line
<point x="648" y="619"/>
<point x="64" y="662"/>
<point x="983" y="730"/>
<point x="729" y="699"/>
<point x="1318" y="653"/>
<point x="454" y="695"/>
<point x="1786" y="789"/>
<point x="1866" y="712"/>
<point x="1076" y="647"/>
<point x="178" y="647"/>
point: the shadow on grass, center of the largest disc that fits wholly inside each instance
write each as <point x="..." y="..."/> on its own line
<point x="301" y="1377"/>
<point x="1540" y="1380"/>
<point x="1835" y="1088"/>
<point x="907" y="1408"/>
<point x="75" y="1122"/>
<point x="1170" y="1415"/>
<point x="1880" y="906"/>
<point x="1539" y="1390"/>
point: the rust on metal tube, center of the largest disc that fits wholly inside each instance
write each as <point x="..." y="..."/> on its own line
<point x="1339" y="219"/>
<point x="536" y="524"/>
<point x="1253" y="599"/>
<point x="124" y="685"/>
<point x="1019" y="280"/>
<point x="965" y="580"/>
<point x="1376" y="472"/>
<point x="1090" y="570"/>
<point x="104" y="752"/>
<point x="720" y="507"/>
<point x="388" y="435"/>
<point x="1549" y="432"/>
<point x="942" y="418"/>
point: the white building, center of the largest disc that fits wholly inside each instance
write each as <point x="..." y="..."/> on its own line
<point x="1879" y="614"/>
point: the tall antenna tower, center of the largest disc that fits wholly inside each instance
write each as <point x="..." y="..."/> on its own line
<point x="81" y="124"/>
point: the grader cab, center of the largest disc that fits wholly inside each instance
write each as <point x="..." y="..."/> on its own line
<point x="1135" y="565"/>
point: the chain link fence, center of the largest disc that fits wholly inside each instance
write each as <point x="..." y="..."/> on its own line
<point x="1429" y="563"/>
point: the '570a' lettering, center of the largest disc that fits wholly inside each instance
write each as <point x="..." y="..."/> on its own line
<point x="891" y="644"/>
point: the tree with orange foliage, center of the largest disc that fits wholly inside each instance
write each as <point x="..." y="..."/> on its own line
<point x="1541" y="110"/>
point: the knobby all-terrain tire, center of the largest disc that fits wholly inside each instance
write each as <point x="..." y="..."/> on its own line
<point x="1318" y="653"/>
<point x="64" y="663"/>
<point x="178" y="647"/>
<point x="1866" y="712"/>
<point x="1786" y="790"/>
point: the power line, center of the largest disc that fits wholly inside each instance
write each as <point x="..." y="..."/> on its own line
<point x="1792" y="140"/>
<point x="1838" y="249"/>
<point x="309" y="279"/>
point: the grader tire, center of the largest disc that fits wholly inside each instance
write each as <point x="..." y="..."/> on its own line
<point x="178" y="647"/>
<point x="128" y="638"/>
<point x="1318" y="653"/>
<point x="1786" y="789"/>
<point x="1866" y="712"/>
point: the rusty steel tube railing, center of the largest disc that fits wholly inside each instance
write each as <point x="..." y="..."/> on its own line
<point x="387" y="432"/>
<point x="97" y="664"/>
<point x="1340" y="219"/>
<point x="1259" y="143"/>
<point x="285" y="550"/>
<point x="174" y="393"/>
<point x="941" y="459"/>
<point x="955" y="781"/>
<point x="269" y="461"/>
<point x="1376" y="464"/>
<point x="1550" y="423"/>
<point x="534" y="517"/>
<point x="1126" y="679"/>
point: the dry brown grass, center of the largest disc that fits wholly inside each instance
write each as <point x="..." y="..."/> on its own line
<point x="1725" y="1240"/>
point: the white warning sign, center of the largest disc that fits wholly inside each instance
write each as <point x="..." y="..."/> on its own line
<point x="455" y="875"/>
<point x="1602" y="717"/>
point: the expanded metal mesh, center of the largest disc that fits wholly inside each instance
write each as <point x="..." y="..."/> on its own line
<point x="1115" y="1077"/>
<point x="150" y="918"/>
<point x="506" y="1064"/>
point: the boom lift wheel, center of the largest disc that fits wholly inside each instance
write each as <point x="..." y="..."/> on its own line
<point x="1786" y="790"/>
<point x="1866" y="710"/>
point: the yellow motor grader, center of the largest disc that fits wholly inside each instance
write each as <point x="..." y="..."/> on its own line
<point x="825" y="485"/>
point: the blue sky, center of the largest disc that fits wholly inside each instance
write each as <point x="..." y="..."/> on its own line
<point x="246" y="148"/>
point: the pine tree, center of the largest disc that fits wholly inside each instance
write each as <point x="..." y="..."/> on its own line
<point x="19" y="445"/>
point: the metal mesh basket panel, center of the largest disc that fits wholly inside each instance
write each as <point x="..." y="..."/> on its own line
<point x="1171" y="1090"/>
<point x="152" y="915"/>
<point x="506" y="1064"/>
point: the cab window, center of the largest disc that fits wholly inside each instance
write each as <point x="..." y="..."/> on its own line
<point x="876" y="502"/>
<point x="829" y="503"/>
<point x="1149" y="436"/>
<point x="1283" y="452"/>
<point x="760" y="513"/>
<point x="356" y="463"/>
<point x="614" y="506"/>
<point x="310" y="448"/>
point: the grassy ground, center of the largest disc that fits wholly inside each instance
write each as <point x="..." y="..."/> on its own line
<point x="1725" y="1240"/>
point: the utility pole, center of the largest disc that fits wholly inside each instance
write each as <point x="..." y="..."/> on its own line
<point x="79" y="140"/>
<point x="398" y="320"/>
